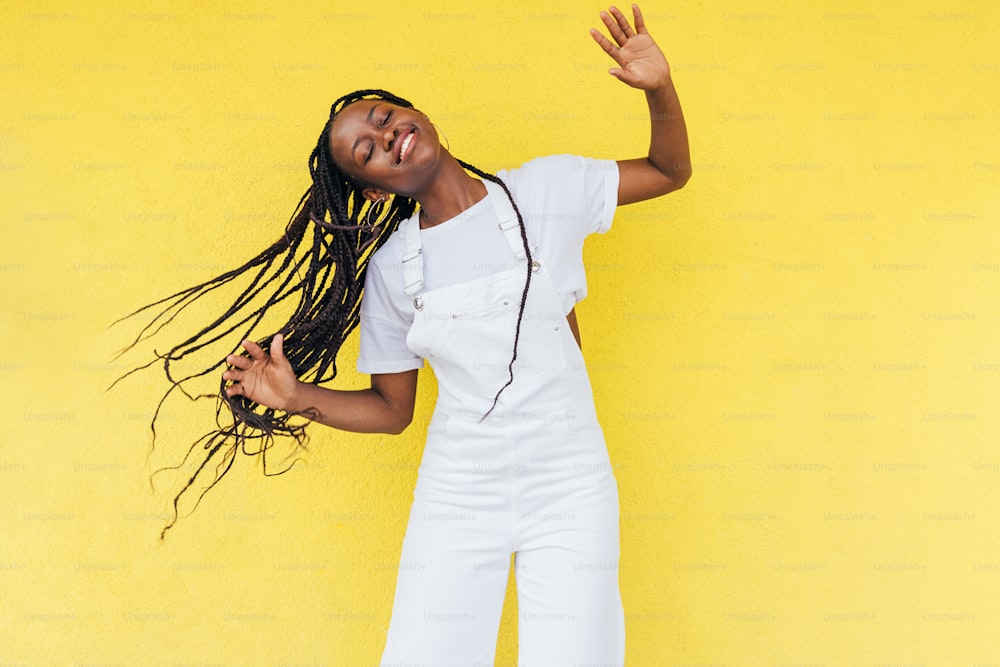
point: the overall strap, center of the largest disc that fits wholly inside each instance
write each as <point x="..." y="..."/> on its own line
<point x="507" y="219"/>
<point x="413" y="261"/>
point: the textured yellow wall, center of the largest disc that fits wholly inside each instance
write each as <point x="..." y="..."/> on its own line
<point x="795" y="358"/>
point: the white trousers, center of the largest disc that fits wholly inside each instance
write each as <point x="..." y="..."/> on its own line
<point x="478" y="499"/>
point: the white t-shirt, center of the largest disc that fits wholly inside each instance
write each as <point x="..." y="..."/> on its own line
<point x="562" y="199"/>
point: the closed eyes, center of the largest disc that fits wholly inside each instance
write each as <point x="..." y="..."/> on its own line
<point x="371" y="148"/>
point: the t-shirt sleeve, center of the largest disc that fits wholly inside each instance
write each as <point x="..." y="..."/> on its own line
<point x="383" y="330"/>
<point x="599" y="185"/>
<point x="565" y="199"/>
<point x="583" y="189"/>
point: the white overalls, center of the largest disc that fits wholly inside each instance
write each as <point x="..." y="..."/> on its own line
<point x="532" y="478"/>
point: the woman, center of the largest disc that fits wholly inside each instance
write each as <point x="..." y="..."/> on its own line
<point x="480" y="282"/>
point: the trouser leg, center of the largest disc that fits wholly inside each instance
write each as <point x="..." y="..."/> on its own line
<point x="449" y="591"/>
<point x="569" y="605"/>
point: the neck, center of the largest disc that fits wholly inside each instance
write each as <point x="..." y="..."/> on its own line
<point x="453" y="190"/>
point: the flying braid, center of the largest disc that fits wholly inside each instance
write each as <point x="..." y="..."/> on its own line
<point x="319" y="264"/>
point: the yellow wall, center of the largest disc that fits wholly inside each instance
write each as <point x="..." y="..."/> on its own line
<point x="795" y="358"/>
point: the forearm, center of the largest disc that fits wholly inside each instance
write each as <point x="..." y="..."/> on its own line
<point x="360" y="411"/>
<point x="668" y="146"/>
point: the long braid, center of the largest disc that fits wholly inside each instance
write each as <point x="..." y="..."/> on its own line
<point x="346" y="231"/>
<point x="527" y="279"/>
<point x="321" y="265"/>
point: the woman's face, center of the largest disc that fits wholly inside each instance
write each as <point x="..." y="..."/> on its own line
<point x="393" y="148"/>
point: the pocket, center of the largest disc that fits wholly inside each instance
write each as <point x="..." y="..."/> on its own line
<point x="540" y="351"/>
<point x="461" y="333"/>
<point x="428" y="333"/>
<point x="468" y="346"/>
<point x="467" y="335"/>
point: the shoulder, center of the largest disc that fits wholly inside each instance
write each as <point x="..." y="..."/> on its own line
<point x="391" y="252"/>
<point x="567" y="192"/>
<point x="542" y="167"/>
<point x="563" y="171"/>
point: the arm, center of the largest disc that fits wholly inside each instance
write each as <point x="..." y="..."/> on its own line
<point x="574" y="327"/>
<point x="268" y="379"/>
<point x="643" y="66"/>
<point x="387" y="407"/>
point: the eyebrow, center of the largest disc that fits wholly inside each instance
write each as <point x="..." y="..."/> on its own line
<point x="368" y="119"/>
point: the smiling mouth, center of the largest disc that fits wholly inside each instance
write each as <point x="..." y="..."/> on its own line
<point x="405" y="144"/>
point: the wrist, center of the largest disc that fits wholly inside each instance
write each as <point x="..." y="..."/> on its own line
<point x="664" y="87"/>
<point x="294" y="401"/>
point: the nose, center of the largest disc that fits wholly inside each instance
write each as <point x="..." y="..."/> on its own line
<point x="388" y="137"/>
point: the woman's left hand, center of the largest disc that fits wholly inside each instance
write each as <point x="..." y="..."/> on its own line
<point x="641" y="63"/>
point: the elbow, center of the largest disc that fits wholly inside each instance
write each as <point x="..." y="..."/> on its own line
<point x="394" y="396"/>
<point x="398" y="423"/>
<point x="683" y="178"/>
<point x="678" y="177"/>
<point x="669" y="177"/>
<point x="396" y="428"/>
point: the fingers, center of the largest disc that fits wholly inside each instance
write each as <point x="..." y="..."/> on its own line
<point x="239" y="361"/>
<point x="626" y="77"/>
<point x="277" y="346"/>
<point x="613" y="28"/>
<point x="233" y="376"/>
<point x="624" y="29"/>
<point x="278" y="357"/>
<point x="640" y="24"/>
<point x="608" y="47"/>
<point x="617" y="25"/>
<point x="242" y="367"/>
<point x="254" y="349"/>
<point x="619" y="29"/>
<point x="620" y="74"/>
<point x="256" y="352"/>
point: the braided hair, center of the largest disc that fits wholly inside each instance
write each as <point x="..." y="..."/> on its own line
<point x="321" y="260"/>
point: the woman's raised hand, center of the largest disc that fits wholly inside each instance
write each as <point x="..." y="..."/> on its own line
<point x="267" y="379"/>
<point x="641" y="64"/>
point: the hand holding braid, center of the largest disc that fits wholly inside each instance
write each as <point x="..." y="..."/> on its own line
<point x="267" y="379"/>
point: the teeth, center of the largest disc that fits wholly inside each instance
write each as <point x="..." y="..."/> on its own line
<point x="405" y="147"/>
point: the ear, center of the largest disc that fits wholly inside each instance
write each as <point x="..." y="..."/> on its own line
<point x="373" y="194"/>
